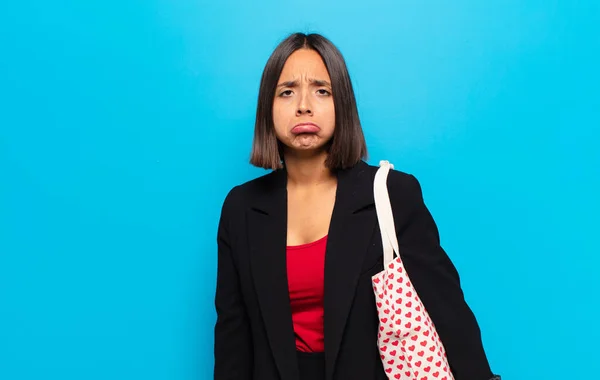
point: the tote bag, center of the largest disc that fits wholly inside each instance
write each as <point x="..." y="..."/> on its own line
<point x="408" y="343"/>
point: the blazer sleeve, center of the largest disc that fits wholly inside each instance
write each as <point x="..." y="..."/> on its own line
<point x="436" y="280"/>
<point x="232" y="346"/>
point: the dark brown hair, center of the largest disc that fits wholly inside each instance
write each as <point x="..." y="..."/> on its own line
<point x="347" y="146"/>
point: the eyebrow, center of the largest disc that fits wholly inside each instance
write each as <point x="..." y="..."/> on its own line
<point x="294" y="83"/>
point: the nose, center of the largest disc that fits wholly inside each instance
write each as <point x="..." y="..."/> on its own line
<point x="302" y="110"/>
<point x="304" y="107"/>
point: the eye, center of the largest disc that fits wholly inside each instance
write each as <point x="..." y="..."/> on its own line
<point x="323" y="91"/>
<point x="286" y="93"/>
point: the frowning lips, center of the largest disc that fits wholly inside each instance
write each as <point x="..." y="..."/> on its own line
<point x="307" y="127"/>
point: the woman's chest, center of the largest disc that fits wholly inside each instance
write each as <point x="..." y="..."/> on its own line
<point x="308" y="218"/>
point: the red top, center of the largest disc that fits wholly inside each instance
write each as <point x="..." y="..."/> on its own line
<point x="306" y="275"/>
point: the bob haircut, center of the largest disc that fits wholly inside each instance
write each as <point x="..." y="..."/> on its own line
<point x="347" y="146"/>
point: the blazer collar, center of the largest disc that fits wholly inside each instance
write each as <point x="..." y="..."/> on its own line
<point x="354" y="189"/>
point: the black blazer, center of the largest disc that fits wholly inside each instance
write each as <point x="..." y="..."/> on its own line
<point x="254" y="337"/>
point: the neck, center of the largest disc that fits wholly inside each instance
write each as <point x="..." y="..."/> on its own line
<point x="303" y="170"/>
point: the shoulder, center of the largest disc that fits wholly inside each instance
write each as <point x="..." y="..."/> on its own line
<point x="400" y="183"/>
<point x="408" y="206"/>
<point x="244" y="194"/>
<point x="404" y="185"/>
<point x="405" y="193"/>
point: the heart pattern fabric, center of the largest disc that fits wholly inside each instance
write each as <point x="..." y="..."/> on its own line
<point x="409" y="346"/>
<point x="408" y="343"/>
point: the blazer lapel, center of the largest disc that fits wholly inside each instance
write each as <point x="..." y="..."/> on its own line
<point x="267" y="224"/>
<point x="349" y="237"/>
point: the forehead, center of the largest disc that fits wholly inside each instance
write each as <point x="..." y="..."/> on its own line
<point x="306" y="64"/>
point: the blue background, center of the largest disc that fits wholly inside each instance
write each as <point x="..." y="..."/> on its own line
<point x="123" y="124"/>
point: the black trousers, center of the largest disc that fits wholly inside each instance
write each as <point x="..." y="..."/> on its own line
<point x="311" y="365"/>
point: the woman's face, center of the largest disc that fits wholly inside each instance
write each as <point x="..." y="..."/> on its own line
<point x="303" y="111"/>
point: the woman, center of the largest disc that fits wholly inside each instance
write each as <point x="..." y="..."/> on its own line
<point x="298" y="246"/>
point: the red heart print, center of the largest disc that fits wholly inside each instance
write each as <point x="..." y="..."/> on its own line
<point x="418" y="364"/>
<point x="393" y="353"/>
<point x="395" y="343"/>
<point x="384" y="320"/>
<point x="421" y="353"/>
<point x="414" y="338"/>
<point x="412" y="348"/>
<point x="390" y="362"/>
<point x="424" y="343"/>
<point x="427" y="369"/>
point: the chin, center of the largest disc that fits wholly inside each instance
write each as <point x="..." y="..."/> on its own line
<point x="309" y="150"/>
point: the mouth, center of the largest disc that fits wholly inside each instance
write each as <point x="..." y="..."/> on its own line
<point x="305" y="128"/>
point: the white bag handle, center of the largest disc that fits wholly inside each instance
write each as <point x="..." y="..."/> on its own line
<point x="385" y="217"/>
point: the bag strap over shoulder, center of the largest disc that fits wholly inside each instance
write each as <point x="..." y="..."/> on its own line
<point x="385" y="216"/>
